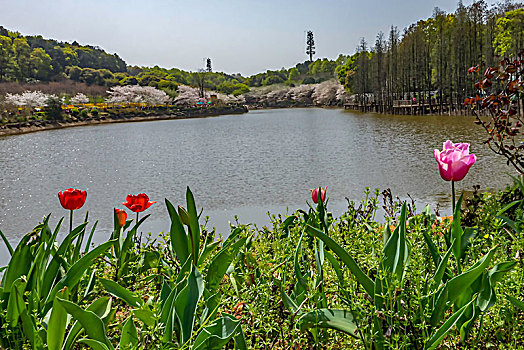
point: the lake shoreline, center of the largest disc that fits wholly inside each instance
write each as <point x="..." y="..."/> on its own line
<point x="37" y="125"/>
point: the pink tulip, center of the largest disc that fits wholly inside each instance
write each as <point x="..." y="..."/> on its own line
<point x="454" y="160"/>
<point x="314" y="195"/>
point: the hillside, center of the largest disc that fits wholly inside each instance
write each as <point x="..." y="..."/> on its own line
<point x="36" y="60"/>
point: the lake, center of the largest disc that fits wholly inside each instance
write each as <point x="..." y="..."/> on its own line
<point x="245" y="165"/>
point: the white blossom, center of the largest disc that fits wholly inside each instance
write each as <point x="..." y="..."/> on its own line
<point x="137" y="94"/>
<point x="187" y="96"/>
<point x="79" y="98"/>
<point x="302" y="93"/>
<point x="325" y="93"/>
<point x="342" y="96"/>
<point x="28" y="99"/>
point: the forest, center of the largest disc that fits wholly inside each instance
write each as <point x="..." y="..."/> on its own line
<point x="428" y="61"/>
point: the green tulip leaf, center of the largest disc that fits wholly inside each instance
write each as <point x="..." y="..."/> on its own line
<point x="179" y="241"/>
<point x="91" y="322"/>
<point x="217" y="335"/>
<point x="186" y="302"/>
<point x="56" y="326"/>
<point x="220" y="263"/>
<point x="193" y="225"/>
<point x="101" y="307"/>
<point x="94" y="344"/>
<point x="459" y="284"/>
<point x="7" y="244"/>
<point x="122" y="293"/>
<point x="340" y="320"/>
<point x="129" y="337"/>
<point x="75" y="273"/>
<point x="436" y="338"/>
<point x="396" y="251"/>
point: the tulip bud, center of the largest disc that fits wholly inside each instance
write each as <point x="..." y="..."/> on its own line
<point x="121" y="216"/>
<point x="314" y="195"/>
<point x="184" y="216"/>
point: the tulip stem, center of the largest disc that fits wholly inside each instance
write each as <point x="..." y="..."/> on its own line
<point x="70" y="221"/>
<point x="136" y="218"/>
<point x="453" y="195"/>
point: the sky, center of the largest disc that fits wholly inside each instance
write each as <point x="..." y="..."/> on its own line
<point x="240" y="36"/>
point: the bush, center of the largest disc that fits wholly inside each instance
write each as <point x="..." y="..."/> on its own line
<point x="84" y="113"/>
<point x="309" y="80"/>
<point x="272" y="79"/>
<point x="40" y="115"/>
<point x="53" y="109"/>
<point x="94" y="112"/>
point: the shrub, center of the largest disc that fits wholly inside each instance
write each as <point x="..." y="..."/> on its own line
<point x="53" y="108"/>
<point x="309" y="80"/>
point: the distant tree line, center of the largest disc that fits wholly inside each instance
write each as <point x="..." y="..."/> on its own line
<point x="30" y="58"/>
<point x="35" y="60"/>
<point x="428" y="62"/>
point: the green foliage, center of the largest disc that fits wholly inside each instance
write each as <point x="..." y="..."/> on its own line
<point x="510" y="33"/>
<point x="293" y="75"/>
<point x="309" y="80"/>
<point x="25" y="58"/>
<point x="273" y="79"/>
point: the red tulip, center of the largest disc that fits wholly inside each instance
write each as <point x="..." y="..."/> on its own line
<point x="314" y="195"/>
<point x="121" y="216"/>
<point x="138" y="203"/>
<point x="72" y="199"/>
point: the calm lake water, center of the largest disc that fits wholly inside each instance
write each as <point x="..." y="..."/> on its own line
<point x="243" y="165"/>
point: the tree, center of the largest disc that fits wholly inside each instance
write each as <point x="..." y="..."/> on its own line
<point x="40" y="64"/>
<point x="310" y="42"/>
<point x="510" y="33"/>
<point x="137" y="94"/>
<point x="53" y="108"/>
<point x="187" y="96"/>
<point x="22" y="55"/>
<point x="79" y="98"/>
<point x="5" y="54"/>
<point x="28" y="99"/>
<point x="208" y="65"/>
<point x="294" y="74"/>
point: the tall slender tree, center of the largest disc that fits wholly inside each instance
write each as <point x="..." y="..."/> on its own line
<point x="310" y="42"/>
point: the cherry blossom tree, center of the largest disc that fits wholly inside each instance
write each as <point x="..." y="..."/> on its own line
<point x="137" y="94"/>
<point x="28" y="99"/>
<point x="79" y="98"/>
<point x="342" y="95"/>
<point x="325" y="93"/>
<point x="302" y="93"/>
<point x="187" y="96"/>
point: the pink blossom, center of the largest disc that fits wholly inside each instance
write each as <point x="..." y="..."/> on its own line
<point x="454" y="160"/>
